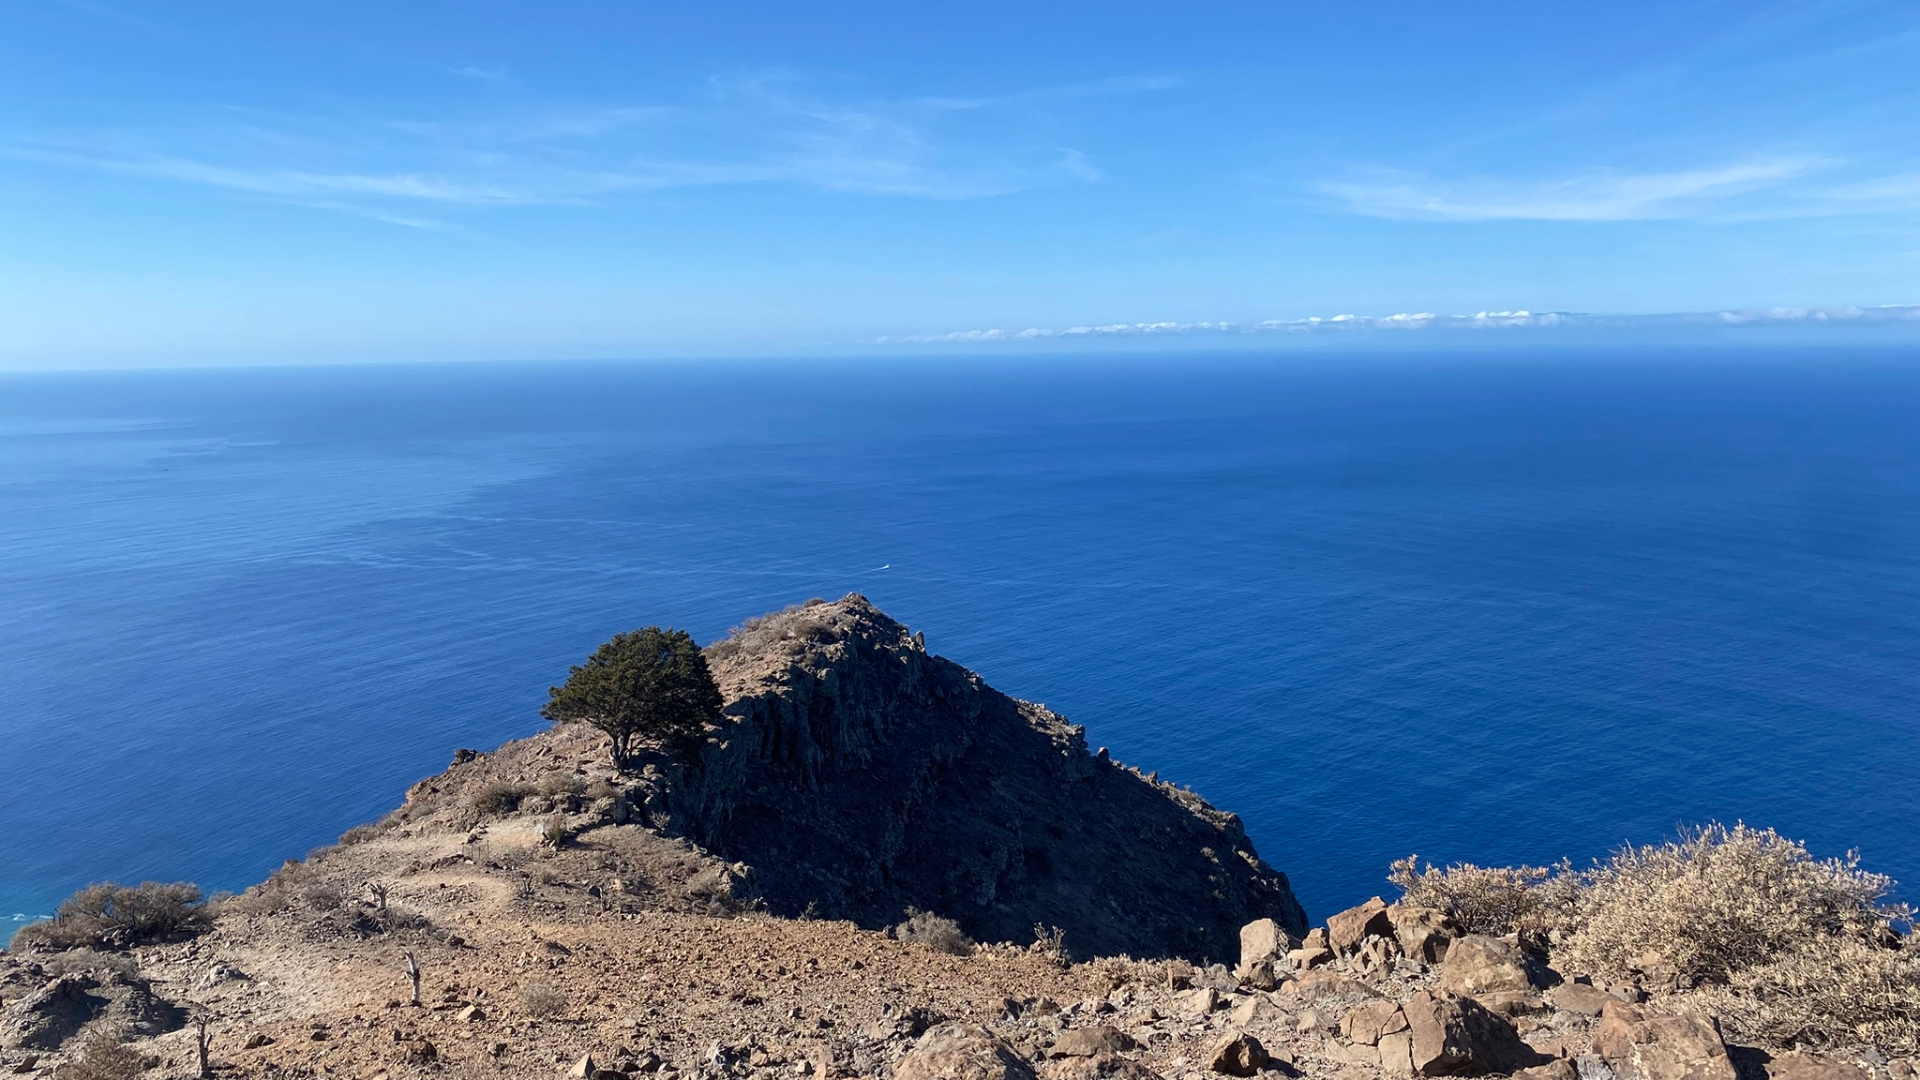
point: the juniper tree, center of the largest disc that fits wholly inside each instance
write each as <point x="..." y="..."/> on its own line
<point x="650" y="684"/>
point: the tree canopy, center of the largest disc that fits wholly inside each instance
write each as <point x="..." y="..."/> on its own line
<point x="650" y="684"/>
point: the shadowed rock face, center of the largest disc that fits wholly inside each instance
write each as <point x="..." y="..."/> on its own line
<point x="860" y="774"/>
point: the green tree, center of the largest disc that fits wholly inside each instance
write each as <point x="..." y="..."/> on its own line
<point x="649" y="684"/>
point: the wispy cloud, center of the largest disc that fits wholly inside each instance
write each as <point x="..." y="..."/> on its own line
<point x="762" y="129"/>
<point x="1602" y="195"/>
<point x="1426" y="320"/>
<point x="470" y="71"/>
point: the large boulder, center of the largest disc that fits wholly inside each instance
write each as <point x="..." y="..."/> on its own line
<point x="1451" y="1036"/>
<point x="1091" y="1042"/>
<point x="1369" y="1023"/>
<point x="1348" y="929"/>
<point x="1639" y="1044"/>
<point x="1424" y="933"/>
<point x="1237" y="1054"/>
<point x="961" y="1052"/>
<point x="1477" y="965"/>
<point x="1264" y="949"/>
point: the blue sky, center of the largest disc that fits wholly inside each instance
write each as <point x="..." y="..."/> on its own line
<point x="296" y="181"/>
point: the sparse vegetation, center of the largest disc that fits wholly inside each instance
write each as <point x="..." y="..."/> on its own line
<point x="540" y="1001"/>
<point x="103" y="1055"/>
<point x="499" y="798"/>
<point x="110" y="916"/>
<point x="1489" y="899"/>
<point x="797" y="623"/>
<point x="1720" y="901"/>
<point x="935" y="932"/>
<point x="651" y="684"/>
<point x="1786" y="949"/>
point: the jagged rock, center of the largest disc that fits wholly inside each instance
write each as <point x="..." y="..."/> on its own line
<point x="1580" y="999"/>
<point x="861" y="775"/>
<point x="584" y="1068"/>
<point x="256" y="1040"/>
<point x="1637" y="1044"/>
<point x="1423" y="932"/>
<point x="1368" y="1023"/>
<point x="52" y="1014"/>
<point x="1090" y="1042"/>
<point x="1256" y="1010"/>
<point x="1349" y="928"/>
<point x="1264" y="946"/>
<point x="1376" y="954"/>
<point x="1323" y="983"/>
<point x="1237" y="1054"/>
<point x="1309" y="957"/>
<point x="961" y="1052"/>
<point x="1260" y="975"/>
<point x="1451" y="1035"/>
<point x="1476" y="964"/>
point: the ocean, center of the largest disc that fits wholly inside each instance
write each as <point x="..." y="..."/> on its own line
<point x="1493" y="608"/>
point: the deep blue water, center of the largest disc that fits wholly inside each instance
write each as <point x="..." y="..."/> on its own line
<point x="1487" y="609"/>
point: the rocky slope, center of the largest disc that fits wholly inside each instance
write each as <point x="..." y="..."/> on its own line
<point x="860" y="775"/>
<point x="531" y="913"/>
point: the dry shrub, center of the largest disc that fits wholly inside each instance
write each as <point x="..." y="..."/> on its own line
<point x="1050" y="942"/>
<point x="1789" y="950"/>
<point x="1719" y="901"/>
<point x="110" y="916"/>
<point x="712" y="883"/>
<point x="103" y="1055"/>
<point x="541" y="1001"/>
<point x="1491" y="899"/>
<point x="935" y="932"/>
<point x="797" y="623"/>
<point x="360" y="834"/>
<point x="284" y="888"/>
<point x="1831" y="994"/>
<point x="499" y="798"/>
<point x="323" y="896"/>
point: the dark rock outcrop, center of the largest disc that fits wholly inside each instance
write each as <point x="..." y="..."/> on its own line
<point x="860" y="775"/>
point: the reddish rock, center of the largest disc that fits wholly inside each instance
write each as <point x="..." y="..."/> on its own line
<point x="1238" y="1054"/>
<point x="1477" y="965"/>
<point x="1424" y="933"/>
<point x="1638" y="1044"/>
<point x="1455" y="1035"/>
<point x="1348" y="929"/>
<point x="961" y="1052"/>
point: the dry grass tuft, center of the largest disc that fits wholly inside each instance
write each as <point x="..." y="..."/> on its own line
<point x="935" y="932"/>
<point x="103" y="1055"/>
<point x="540" y="1001"/>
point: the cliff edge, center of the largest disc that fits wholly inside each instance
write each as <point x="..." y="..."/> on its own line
<point x="860" y="775"/>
